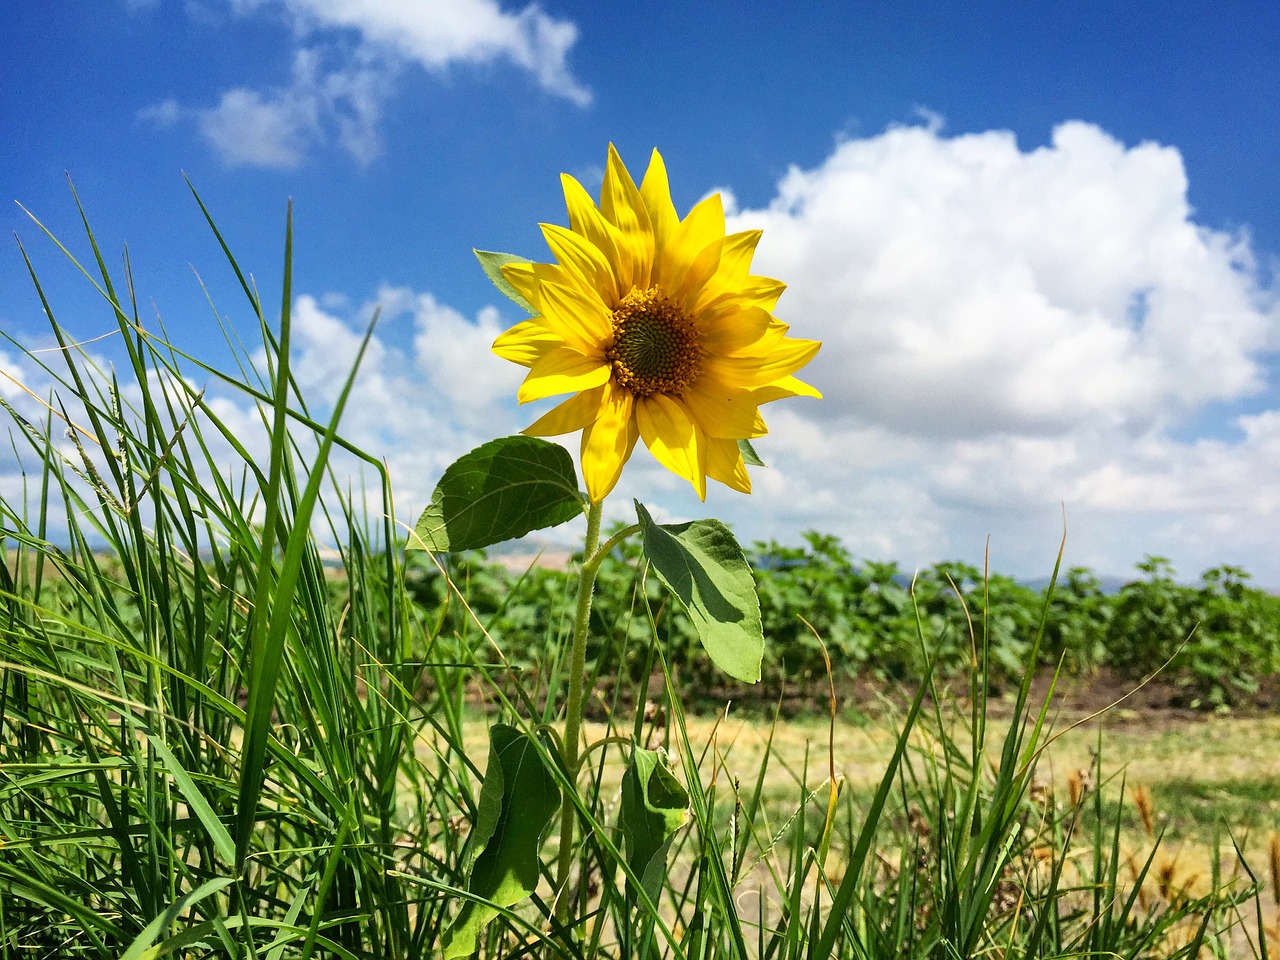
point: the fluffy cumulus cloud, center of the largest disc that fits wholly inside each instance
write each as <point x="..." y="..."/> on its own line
<point x="982" y="287"/>
<point x="1008" y="330"/>
<point x="348" y="56"/>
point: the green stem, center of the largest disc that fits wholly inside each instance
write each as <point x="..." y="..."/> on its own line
<point x="591" y="558"/>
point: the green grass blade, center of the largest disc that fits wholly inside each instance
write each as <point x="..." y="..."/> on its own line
<point x="142" y="946"/>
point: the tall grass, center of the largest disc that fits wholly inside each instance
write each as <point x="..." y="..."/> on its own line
<point x="228" y="729"/>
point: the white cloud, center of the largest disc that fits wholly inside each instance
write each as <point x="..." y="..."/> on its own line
<point x="277" y="128"/>
<point x="421" y="406"/>
<point x="418" y="407"/>
<point x="979" y="286"/>
<point x="444" y="32"/>
<point x="337" y="87"/>
<point x="1009" y="330"/>
<point x="250" y="129"/>
<point x="164" y="114"/>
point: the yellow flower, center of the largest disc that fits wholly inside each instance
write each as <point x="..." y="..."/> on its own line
<point x="657" y="328"/>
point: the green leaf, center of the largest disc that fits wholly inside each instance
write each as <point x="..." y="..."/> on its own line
<point x="702" y="564"/>
<point x="654" y="807"/>
<point x="749" y="455"/>
<point x="518" y="798"/>
<point x="499" y="491"/>
<point x="492" y="264"/>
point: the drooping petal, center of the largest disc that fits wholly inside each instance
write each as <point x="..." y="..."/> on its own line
<point x="526" y="343"/>
<point x="608" y="441"/>
<point x="571" y="415"/>
<point x="579" y="315"/>
<point x="584" y="259"/>
<point x="724" y="463"/>
<point x="674" y="439"/>
<point x="562" y="371"/>
<point x="724" y="411"/>
<point x="620" y="204"/>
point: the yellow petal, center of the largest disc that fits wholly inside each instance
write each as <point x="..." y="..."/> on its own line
<point x="747" y="370"/>
<point x="584" y="259"/>
<point x="526" y="343"/>
<point x="689" y="288"/>
<point x="562" y="371"/>
<point x="762" y="292"/>
<point x="621" y="205"/>
<point x="608" y="441"/>
<point x="579" y="315"/>
<point x="728" y="332"/>
<point x="674" y="439"/>
<point x="585" y="220"/>
<point x="655" y="191"/>
<point x="704" y="225"/>
<point x="724" y="463"/>
<point x="723" y="411"/>
<point x="528" y="279"/>
<point x="569" y="416"/>
<point x="733" y="269"/>
<point x="785" y="387"/>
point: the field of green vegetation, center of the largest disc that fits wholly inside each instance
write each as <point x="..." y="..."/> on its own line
<point x="236" y="721"/>
<point x="1213" y="646"/>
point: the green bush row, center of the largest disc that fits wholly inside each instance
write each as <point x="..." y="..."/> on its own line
<point x="1217" y="641"/>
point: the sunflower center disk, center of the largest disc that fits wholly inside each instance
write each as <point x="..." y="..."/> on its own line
<point x="655" y="346"/>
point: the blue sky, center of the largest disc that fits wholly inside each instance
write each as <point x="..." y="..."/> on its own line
<point x="1039" y="240"/>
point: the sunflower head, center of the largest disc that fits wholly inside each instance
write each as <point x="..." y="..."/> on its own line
<point x="656" y="328"/>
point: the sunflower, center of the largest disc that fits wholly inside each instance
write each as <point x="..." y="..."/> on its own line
<point x="657" y="328"/>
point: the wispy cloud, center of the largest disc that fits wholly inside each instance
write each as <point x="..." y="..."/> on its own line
<point x="275" y="128"/>
<point x="349" y="54"/>
<point x="442" y="33"/>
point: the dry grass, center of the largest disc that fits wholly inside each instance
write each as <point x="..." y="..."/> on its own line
<point x="1200" y="782"/>
<point x="1211" y="751"/>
